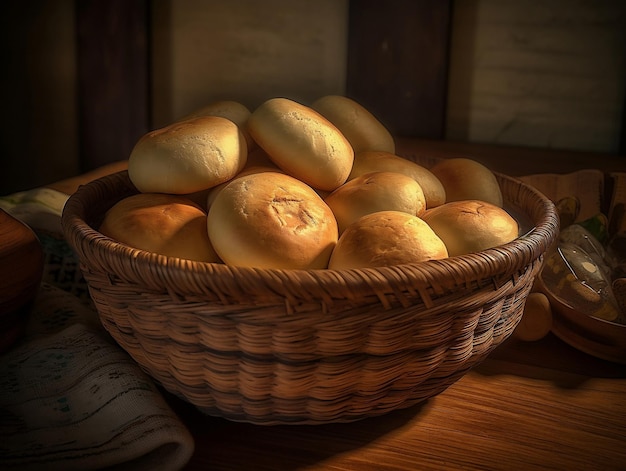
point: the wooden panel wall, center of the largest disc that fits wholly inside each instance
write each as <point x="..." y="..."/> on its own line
<point x="37" y="92"/>
<point x="80" y="87"/>
<point x="398" y="63"/>
<point x="247" y="50"/>
<point x="113" y="78"/>
<point x="549" y="74"/>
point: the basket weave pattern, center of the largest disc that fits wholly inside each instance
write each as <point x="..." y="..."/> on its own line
<point x="295" y="346"/>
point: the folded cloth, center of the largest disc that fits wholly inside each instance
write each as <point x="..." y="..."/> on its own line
<point x="71" y="399"/>
<point x="40" y="208"/>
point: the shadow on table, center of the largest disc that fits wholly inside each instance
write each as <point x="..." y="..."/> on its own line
<point x="223" y="444"/>
<point x="548" y="359"/>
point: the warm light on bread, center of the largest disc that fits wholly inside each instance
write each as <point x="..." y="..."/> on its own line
<point x="230" y="109"/>
<point x="237" y="112"/>
<point x="287" y="185"/>
<point x="212" y="193"/>
<point x="361" y="128"/>
<point x="188" y="156"/>
<point x="467" y="179"/>
<point x="302" y="142"/>
<point x="471" y="226"/>
<point x="377" y="161"/>
<point x="375" y="191"/>
<point x="165" y="224"/>
<point x="271" y="220"/>
<point x="386" y="238"/>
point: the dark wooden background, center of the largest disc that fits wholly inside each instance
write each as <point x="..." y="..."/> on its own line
<point x="397" y="68"/>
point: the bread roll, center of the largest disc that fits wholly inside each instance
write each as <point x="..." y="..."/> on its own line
<point x="237" y="112"/>
<point x="361" y="128"/>
<point x="188" y="156"/>
<point x="212" y="193"/>
<point x="386" y="238"/>
<point x="165" y="224"/>
<point x="271" y="220"/>
<point x="302" y="142"/>
<point x="467" y="179"/>
<point x="471" y="226"/>
<point x="377" y="161"/>
<point x="258" y="161"/>
<point x="375" y="191"/>
<point x="536" y="321"/>
<point x="233" y="110"/>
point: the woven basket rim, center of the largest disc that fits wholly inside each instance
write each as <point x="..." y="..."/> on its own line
<point x="504" y="260"/>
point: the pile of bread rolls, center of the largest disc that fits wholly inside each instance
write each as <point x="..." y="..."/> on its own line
<point x="294" y="186"/>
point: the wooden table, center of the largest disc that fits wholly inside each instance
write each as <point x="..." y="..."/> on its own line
<point x="536" y="405"/>
<point x="540" y="405"/>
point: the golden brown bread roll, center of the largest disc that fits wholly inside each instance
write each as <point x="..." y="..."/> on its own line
<point x="536" y="322"/>
<point x="377" y="161"/>
<point x="375" y="191"/>
<point x="271" y="220"/>
<point x="212" y="193"/>
<point x="467" y="179"/>
<point x="165" y="224"/>
<point x="361" y="128"/>
<point x="237" y="112"/>
<point x="188" y="156"/>
<point x="471" y="226"/>
<point x="302" y="142"/>
<point x="386" y="238"/>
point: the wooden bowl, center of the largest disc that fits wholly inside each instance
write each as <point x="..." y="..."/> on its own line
<point x="21" y="270"/>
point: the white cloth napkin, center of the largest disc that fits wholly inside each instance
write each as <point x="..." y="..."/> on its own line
<point x="70" y="397"/>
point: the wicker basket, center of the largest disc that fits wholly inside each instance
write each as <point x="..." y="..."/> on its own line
<point x="295" y="346"/>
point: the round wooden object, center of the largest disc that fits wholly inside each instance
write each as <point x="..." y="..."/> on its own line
<point x="21" y="270"/>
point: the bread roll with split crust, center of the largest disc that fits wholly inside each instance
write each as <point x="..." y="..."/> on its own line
<point x="379" y="161"/>
<point x="362" y="129"/>
<point x="271" y="220"/>
<point x="188" y="156"/>
<point x="375" y="191"/>
<point x="386" y="238"/>
<point x="165" y="224"/>
<point x="471" y="226"/>
<point x="302" y="142"/>
<point x="212" y="193"/>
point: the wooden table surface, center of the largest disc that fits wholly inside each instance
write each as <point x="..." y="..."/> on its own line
<point x="529" y="405"/>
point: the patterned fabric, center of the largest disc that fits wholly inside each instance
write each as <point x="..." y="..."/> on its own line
<point x="61" y="267"/>
<point x="70" y="397"/>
